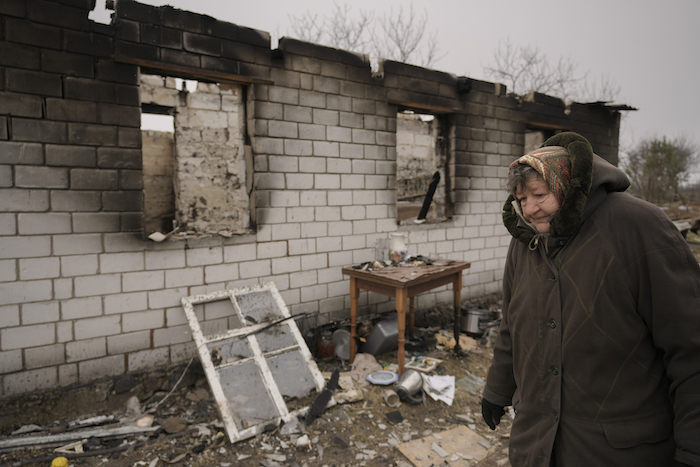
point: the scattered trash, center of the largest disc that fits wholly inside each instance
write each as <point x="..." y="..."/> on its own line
<point x="59" y="462"/>
<point x="382" y="377"/>
<point x="424" y="364"/>
<point x="472" y="383"/>
<point x="391" y="398"/>
<point x="440" y="388"/>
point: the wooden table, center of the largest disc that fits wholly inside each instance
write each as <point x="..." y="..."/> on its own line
<point x="404" y="283"/>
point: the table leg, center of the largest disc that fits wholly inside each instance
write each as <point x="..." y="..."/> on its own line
<point x="401" y="298"/>
<point x="410" y="316"/>
<point x="354" y="295"/>
<point x="457" y="286"/>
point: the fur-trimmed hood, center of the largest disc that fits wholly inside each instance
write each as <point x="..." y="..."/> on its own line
<point x="591" y="178"/>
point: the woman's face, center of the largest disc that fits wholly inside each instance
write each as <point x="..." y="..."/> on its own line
<point x="537" y="203"/>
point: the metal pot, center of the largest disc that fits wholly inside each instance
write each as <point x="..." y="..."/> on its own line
<point x="473" y="320"/>
<point x="409" y="384"/>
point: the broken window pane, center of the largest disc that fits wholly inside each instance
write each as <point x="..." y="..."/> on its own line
<point x="275" y="338"/>
<point x="258" y="307"/>
<point x="247" y="394"/>
<point x="259" y="373"/>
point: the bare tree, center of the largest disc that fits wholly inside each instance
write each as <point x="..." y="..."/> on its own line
<point x="658" y="168"/>
<point x="527" y="69"/>
<point x="399" y="36"/>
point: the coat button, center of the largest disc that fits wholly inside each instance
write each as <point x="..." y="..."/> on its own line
<point x="555" y="415"/>
<point x="561" y="242"/>
<point x="552" y="324"/>
<point x="554" y="370"/>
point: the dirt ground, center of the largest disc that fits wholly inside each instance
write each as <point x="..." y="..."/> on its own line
<point x="190" y="433"/>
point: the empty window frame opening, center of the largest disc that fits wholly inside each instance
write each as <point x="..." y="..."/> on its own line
<point x="421" y="157"/>
<point x="257" y="363"/>
<point x="195" y="171"/>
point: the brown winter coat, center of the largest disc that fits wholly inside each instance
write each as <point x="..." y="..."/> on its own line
<point x="599" y="346"/>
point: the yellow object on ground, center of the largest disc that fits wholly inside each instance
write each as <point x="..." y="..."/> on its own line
<point x="59" y="462"/>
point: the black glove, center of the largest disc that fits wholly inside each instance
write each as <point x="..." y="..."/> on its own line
<point x="492" y="413"/>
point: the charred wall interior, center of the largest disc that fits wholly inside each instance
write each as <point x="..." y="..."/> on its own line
<point x="284" y="168"/>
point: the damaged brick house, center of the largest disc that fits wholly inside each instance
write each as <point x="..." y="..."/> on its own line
<point x="283" y="165"/>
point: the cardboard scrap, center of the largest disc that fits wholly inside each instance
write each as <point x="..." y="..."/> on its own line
<point x="461" y="443"/>
<point x="347" y="390"/>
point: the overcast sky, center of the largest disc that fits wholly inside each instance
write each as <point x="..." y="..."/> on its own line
<point x="647" y="47"/>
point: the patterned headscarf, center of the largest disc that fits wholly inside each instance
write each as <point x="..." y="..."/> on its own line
<point x="554" y="164"/>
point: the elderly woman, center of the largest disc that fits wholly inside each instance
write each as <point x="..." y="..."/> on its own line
<point x="599" y="346"/>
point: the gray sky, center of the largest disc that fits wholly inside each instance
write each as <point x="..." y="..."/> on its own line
<point x="647" y="47"/>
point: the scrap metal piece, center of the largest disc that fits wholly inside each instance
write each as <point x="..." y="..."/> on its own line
<point x="321" y="401"/>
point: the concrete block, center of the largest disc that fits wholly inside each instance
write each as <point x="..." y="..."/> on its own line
<point x="88" y="43"/>
<point x="89" y="134"/>
<point x="184" y="277"/>
<point x="239" y="253"/>
<point x="122" y="201"/>
<point x="327" y="181"/>
<point x="286" y="265"/>
<point x="167" y="297"/>
<point x="80" y="265"/>
<point x="312" y="132"/>
<point x="271" y="250"/>
<point x="39" y="268"/>
<point x="6" y="178"/>
<point x="352" y="182"/>
<point x="44" y="223"/>
<point x="313" y="198"/>
<point x="127" y="343"/>
<point x="27" y="336"/>
<point x="165" y="259"/>
<point x="40" y="177"/>
<point x="8" y="224"/>
<point x="121" y="262"/>
<point x="20" y="153"/>
<point x="66" y="63"/>
<point x="103" y="284"/>
<point x="72" y="110"/>
<point x="20" y="105"/>
<point x="90" y="328"/>
<point x="8" y="270"/>
<point x="125" y="302"/>
<point x="297" y="148"/>
<point x="33" y="82"/>
<point x="340" y="134"/>
<point x="45" y="131"/>
<point x="299" y="181"/>
<point x="29" y="381"/>
<point x="19" y="56"/>
<point x="70" y="156"/>
<point x="9" y="316"/>
<point x="94" y="179"/>
<point x="75" y="201"/>
<point x="44" y="356"/>
<point x="24" y="247"/>
<point x="295" y="113"/>
<point x="77" y="244"/>
<point x="327" y="213"/>
<point x="146" y="359"/>
<point x="142" y="320"/>
<point x="314" y="261"/>
<point x="351" y="151"/>
<point x="220" y="273"/>
<point x="326" y="149"/>
<point x="96" y="222"/>
<point x="119" y="158"/>
<point x="40" y="312"/>
<point x="11" y="361"/>
<point x="172" y="335"/>
<point x="101" y="367"/>
<point x="250" y="269"/>
<point x="121" y="242"/>
<point x="314" y="229"/>
<point x="137" y="281"/>
<point x="62" y="288"/>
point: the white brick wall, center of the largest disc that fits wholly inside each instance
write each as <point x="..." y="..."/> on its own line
<point x="78" y="303"/>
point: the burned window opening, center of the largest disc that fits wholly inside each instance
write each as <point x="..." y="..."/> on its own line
<point x="421" y="159"/>
<point x="209" y="175"/>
